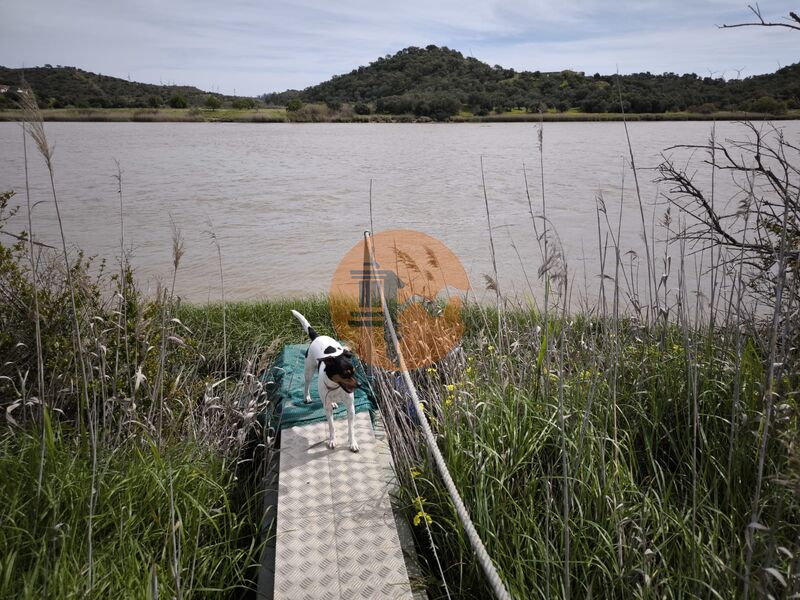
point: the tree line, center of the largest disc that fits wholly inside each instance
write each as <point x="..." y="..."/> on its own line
<point x="439" y="82"/>
<point x="64" y="87"/>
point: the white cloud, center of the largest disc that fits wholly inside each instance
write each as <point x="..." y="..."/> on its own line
<point x="695" y="50"/>
<point x="256" y="46"/>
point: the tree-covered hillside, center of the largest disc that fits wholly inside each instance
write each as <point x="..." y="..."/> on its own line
<point x="438" y="82"/>
<point x="58" y="87"/>
<point x="435" y="82"/>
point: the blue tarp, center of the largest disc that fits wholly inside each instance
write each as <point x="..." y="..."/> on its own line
<point x="284" y="380"/>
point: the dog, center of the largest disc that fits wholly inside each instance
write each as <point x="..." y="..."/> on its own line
<point x="336" y="380"/>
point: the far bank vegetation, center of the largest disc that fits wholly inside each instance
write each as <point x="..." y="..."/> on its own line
<point x="435" y="83"/>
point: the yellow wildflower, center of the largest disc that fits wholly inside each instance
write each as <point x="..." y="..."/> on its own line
<point x="422" y="515"/>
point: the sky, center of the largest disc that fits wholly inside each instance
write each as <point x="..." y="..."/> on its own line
<point x="250" y="47"/>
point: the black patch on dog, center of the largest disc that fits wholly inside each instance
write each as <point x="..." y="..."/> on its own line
<point x="341" y="365"/>
<point x="329" y="350"/>
<point x="312" y="334"/>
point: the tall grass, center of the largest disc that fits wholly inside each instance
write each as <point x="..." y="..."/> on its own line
<point x="127" y="466"/>
<point x="622" y="453"/>
<point x="169" y="490"/>
<point x="633" y="529"/>
<point x="136" y="521"/>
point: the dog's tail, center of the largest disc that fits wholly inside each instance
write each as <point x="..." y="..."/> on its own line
<point x="306" y="327"/>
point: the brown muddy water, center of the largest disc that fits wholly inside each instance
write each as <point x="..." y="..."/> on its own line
<point x="287" y="201"/>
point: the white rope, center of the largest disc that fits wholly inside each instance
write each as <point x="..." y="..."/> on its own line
<point x="474" y="539"/>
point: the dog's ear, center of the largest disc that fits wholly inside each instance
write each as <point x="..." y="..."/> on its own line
<point x="347" y="353"/>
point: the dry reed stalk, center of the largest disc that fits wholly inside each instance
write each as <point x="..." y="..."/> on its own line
<point x="177" y="254"/>
<point x="650" y="284"/>
<point x="617" y="346"/>
<point x="494" y="259"/>
<point x="713" y="271"/>
<point x="122" y="323"/>
<point x="770" y="393"/>
<point x="32" y="116"/>
<point x="215" y="240"/>
<point x="565" y="468"/>
<point x="545" y="267"/>
<point x="37" y="318"/>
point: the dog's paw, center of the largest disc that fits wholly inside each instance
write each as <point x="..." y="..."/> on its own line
<point x="331" y="444"/>
<point x="334" y="405"/>
<point x="354" y="446"/>
<point x="307" y="400"/>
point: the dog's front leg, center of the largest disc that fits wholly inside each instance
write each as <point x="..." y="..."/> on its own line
<point x="351" y="417"/>
<point x="331" y="432"/>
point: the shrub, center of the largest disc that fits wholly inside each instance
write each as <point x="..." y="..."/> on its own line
<point x="178" y="101"/>
<point x="213" y="102"/>
<point x="294" y="105"/>
<point x="395" y="105"/>
<point x="706" y="108"/>
<point x="310" y="113"/>
<point x="243" y="104"/>
<point x="437" y="106"/>
<point x="768" y="105"/>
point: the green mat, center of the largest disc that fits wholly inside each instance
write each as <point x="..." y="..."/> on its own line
<point x="284" y="381"/>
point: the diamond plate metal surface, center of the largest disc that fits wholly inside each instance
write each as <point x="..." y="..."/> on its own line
<point x="336" y="534"/>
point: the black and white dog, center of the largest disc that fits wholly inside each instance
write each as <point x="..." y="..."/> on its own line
<point x="337" y="379"/>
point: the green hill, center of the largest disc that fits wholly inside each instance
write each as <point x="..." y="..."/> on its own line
<point x="438" y="82"/>
<point x="58" y="87"/>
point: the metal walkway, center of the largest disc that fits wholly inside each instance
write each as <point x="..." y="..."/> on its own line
<point x="336" y="532"/>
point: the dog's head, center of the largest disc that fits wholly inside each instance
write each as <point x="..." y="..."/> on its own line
<point x="341" y="370"/>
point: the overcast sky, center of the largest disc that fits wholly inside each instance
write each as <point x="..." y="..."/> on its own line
<point x="252" y="47"/>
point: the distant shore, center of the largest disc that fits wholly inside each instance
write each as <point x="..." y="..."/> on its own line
<point x="280" y="115"/>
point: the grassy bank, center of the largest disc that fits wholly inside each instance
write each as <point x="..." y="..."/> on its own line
<point x="154" y="115"/>
<point x="321" y="114"/>
<point x="608" y="459"/>
<point x="660" y="429"/>
<point x="166" y="521"/>
<point x="598" y="456"/>
<point x="131" y="455"/>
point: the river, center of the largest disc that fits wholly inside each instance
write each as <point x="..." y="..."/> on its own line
<point x="287" y="201"/>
